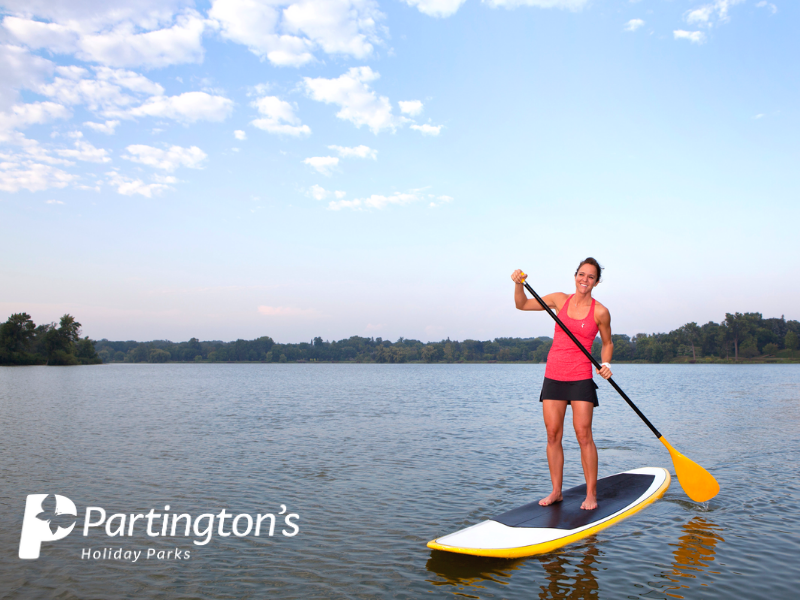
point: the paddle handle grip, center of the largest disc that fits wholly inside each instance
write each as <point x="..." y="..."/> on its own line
<point x="591" y="358"/>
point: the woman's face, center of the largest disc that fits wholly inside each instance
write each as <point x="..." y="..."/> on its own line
<point x="586" y="278"/>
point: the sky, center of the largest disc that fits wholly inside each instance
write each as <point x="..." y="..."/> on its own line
<point x="298" y="168"/>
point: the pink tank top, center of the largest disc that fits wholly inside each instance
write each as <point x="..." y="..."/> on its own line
<point x="565" y="361"/>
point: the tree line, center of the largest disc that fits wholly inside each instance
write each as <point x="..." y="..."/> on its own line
<point x="745" y="336"/>
<point x="22" y="342"/>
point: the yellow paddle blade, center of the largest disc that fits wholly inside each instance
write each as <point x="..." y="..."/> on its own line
<point x="698" y="483"/>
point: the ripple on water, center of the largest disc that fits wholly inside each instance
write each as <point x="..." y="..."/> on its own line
<point x="378" y="460"/>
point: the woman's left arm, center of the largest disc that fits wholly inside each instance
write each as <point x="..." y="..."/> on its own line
<point x="604" y="325"/>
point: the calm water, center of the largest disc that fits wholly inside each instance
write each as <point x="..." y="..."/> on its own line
<point x="377" y="460"/>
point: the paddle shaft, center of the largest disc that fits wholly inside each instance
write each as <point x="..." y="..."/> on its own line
<point x="591" y="358"/>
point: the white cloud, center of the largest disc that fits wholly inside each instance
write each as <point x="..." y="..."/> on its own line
<point x="567" y="4"/>
<point x="427" y="129"/>
<point x="287" y="311"/>
<point x="439" y="200"/>
<point x="128" y="187"/>
<point x="336" y="26"/>
<point x="356" y="152"/>
<point x="86" y="152"/>
<point x="696" y="37"/>
<point x="410" y="107"/>
<point x="700" y="15"/>
<point x="19" y="69"/>
<point x="359" y="104"/>
<point x="377" y="201"/>
<point x="764" y="4"/>
<point x="278" y="117"/>
<point x="128" y="79"/>
<point x="187" y="107"/>
<point x="36" y="34"/>
<point x="703" y="15"/>
<point x="123" y="47"/>
<point x="108" y="127"/>
<point x="73" y="85"/>
<point x="240" y="135"/>
<point x="287" y="33"/>
<point x="94" y="15"/>
<point x="633" y="24"/>
<point x="21" y="116"/>
<point x="166" y="160"/>
<point x="319" y="193"/>
<point x="340" y="204"/>
<point x="120" y="42"/>
<point x="53" y="202"/>
<point x="436" y="8"/>
<point x="18" y="173"/>
<point x="108" y="93"/>
<point x="759" y="116"/>
<point x="323" y="164"/>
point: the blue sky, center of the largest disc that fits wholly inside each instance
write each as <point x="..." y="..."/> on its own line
<point x="239" y="168"/>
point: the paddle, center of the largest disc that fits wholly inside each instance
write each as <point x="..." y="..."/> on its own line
<point x="698" y="483"/>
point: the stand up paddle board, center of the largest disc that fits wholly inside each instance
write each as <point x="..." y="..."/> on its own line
<point x="534" y="529"/>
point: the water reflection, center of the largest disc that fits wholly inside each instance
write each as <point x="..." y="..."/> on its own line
<point x="693" y="555"/>
<point x="571" y="576"/>
<point x="468" y="573"/>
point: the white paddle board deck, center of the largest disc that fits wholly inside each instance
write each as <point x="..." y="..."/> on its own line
<point x="534" y="529"/>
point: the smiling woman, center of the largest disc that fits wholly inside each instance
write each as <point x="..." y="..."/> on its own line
<point x="568" y="375"/>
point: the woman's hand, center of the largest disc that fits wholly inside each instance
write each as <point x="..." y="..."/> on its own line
<point x="518" y="276"/>
<point x="604" y="371"/>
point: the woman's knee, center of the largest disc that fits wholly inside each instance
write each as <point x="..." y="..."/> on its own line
<point x="554" y="435"/>
<point x="584" y="436"/>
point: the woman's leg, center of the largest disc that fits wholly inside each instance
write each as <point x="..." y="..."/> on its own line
<point x="582" y="420"/>
<point x="554" y="411"/>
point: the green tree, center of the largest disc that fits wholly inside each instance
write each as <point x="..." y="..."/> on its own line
<point x="157" y="355"/>
<point x="691" y="334"/>
<point x="429" y="353"/>
<point x="748" y="348"/>
<point x="770" y="349"/>
<point x="737" y="328"/>
<point x="17" y="332"/>
<point x="86" y="353"/>
<point x="59" y="343"/>
<point x="69" y="330"/>
<point x="540" y="354"/>
<point x="790" y="341"/>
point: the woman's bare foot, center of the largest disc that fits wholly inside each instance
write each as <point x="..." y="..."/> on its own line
<point x="551" y="499"/>
<point x="589" y="504"/>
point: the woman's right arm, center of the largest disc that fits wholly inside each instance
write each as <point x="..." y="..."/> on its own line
<point x="554" y="301"/>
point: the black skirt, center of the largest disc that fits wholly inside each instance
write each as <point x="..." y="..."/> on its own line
<point x="584" y="390"/>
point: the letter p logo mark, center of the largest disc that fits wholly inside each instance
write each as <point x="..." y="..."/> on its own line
<point x="36" y="530"/>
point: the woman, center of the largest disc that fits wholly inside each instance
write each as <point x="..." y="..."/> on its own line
<point x="568" y="375"/>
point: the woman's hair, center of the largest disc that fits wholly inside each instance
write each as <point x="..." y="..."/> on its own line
<point x="594" y="263"/>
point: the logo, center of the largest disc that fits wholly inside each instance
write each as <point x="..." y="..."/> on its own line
<point x="48" y="520"/>
<point x="36" y="529"/>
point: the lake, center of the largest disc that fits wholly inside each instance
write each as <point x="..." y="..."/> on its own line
<point x="375" y="461"/>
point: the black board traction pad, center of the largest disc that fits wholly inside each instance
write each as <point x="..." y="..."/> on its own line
<point x="533" y="529"/>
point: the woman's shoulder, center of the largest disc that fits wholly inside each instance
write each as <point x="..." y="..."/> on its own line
<point x="601" y="311"/>
<point x="558" y="299"/>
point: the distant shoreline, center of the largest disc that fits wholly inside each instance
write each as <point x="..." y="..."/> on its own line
<point x="740" y="339"/>
<point x="741" y="361"/>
